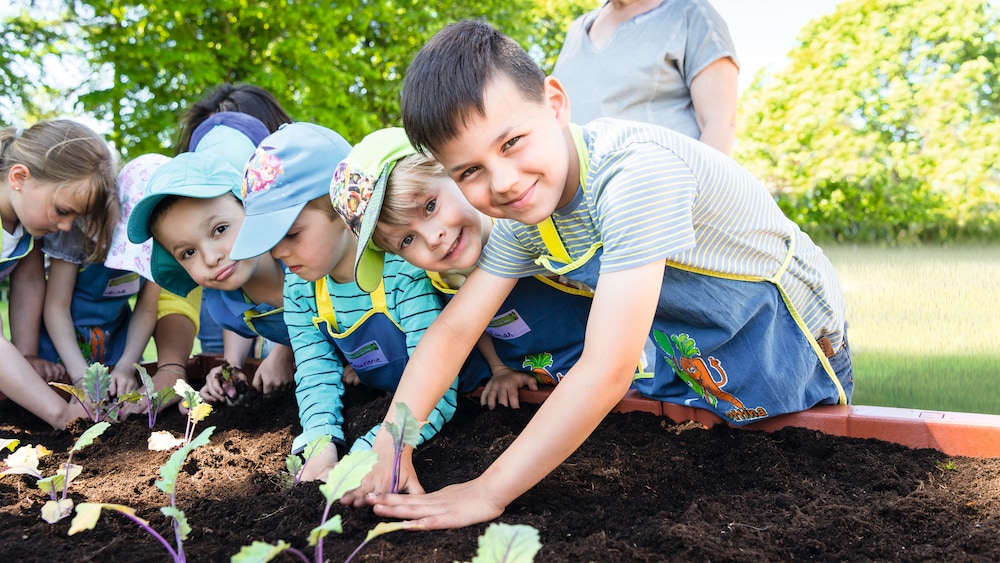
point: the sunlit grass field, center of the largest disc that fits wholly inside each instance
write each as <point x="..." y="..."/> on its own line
<point x="924" y="325"/>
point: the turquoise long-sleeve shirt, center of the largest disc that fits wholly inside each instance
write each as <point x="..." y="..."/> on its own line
<point x="410" y="299"/>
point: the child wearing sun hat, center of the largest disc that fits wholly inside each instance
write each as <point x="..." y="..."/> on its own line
<point x="332" y="323"/>
<point x="191" y="210"/>
<point x="399" y="201"/>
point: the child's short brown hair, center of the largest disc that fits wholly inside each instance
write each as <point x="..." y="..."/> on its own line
<point x="446" y="81"/>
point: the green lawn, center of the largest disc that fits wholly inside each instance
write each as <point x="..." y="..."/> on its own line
<point x="924" y="325"/>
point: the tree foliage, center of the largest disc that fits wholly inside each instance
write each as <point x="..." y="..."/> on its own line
<point x="339" y="64"/>
<point x="883" y="126"/>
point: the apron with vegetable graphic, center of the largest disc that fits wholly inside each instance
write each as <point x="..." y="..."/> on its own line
<point x="731" y="344"/>
<point x="22" y="249"/>
<point x="234" y="311"/>
<point x="101" y="311"/>
<point x="539" y="328"/>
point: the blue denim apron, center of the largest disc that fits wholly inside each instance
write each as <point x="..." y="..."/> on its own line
<point x="22" y="249"/>
<point x="235" y="312"/>
<point x="731" y="344"/>
<point x="539" y="328"/>
<point x="101" y="312"/>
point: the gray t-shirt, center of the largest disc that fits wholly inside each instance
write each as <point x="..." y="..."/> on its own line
<point x="645" y="70"/>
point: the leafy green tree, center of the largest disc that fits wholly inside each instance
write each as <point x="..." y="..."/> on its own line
<point x="883" y="126"/>
<point x="339" y="64"/>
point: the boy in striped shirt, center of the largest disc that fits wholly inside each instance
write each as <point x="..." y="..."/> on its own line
<point x="680" y="243"/>
<point x="332" y="324"/>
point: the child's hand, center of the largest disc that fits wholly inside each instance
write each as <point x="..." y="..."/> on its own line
<point x="48" y="371"/>
<point x="128" y="409"/>
<point x="217" y="389"/>
<point x="502" y="388"/>
<point x="275" y="372"/>
<point x="319" y="465"/>
<point x="123" y="380"/>
<point x="379" y="479"/>
<point x="350" y="376"/>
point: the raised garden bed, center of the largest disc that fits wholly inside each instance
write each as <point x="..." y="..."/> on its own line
<point x="642" y="488"/>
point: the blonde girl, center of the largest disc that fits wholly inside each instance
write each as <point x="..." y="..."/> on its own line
<point x="51" y="174"/>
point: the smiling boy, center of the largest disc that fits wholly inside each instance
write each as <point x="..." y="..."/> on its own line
<point x="681" y="244"/>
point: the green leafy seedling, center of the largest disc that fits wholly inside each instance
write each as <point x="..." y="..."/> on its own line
<point x="154" y="399"/>
<point x="507" y="543"/>
<point x="345" y="476"/>
<point x="405" y="432"/>
<point x="87" y="513"/>
<point x="296" y="463"/>
<point x="197" y="408"/>
<point x="57" y="508"/>
<point x="24" y="461"/>
<point x="96" y="393"/>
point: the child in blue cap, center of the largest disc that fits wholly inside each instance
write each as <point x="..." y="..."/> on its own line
<point x="680" y="243"/>
<point x="192" y="211"/>
<point x="332" y="323"/>
<point x="399" y="201"/>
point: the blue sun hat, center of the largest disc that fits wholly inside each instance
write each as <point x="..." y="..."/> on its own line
<point x="357" y="191"/>
<point x="191" y="174"/>
<point x="290" y="168"/>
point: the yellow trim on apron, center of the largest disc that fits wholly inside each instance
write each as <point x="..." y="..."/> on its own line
<point x="325" y="311"/>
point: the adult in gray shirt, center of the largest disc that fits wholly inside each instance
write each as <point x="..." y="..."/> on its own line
<point x="669" y="62"/>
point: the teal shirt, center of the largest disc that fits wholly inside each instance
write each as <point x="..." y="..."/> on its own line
<point x="410" y="299"/>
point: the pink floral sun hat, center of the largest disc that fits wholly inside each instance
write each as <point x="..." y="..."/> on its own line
<point x="124" y="254"/>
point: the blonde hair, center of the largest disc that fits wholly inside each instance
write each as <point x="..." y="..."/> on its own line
<point x="408" y="182"/>
<point x="63" y="152"/>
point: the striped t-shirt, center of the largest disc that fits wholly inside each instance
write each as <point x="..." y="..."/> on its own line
<point x="412" y="302"/>
<point x="652" y="194"/>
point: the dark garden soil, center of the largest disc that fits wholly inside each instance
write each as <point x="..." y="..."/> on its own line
<point x="641" y="488"/>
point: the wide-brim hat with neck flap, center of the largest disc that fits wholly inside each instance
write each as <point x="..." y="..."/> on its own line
<point x="357" y="191"/>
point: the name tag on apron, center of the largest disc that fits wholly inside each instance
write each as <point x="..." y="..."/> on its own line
<point x="507" y="326"/>
<point x="127" y="284"/>
<point x="368" y="356"/>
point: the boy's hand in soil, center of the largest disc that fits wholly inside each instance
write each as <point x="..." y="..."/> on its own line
<point x="454" y="506"/>
<point x="123" y="380"/>
<point x="318" y="466"/>
<point x="503" y="385"/>
<point x="48" y="371"/>
<point x="222" y="383"/>
<point x="275" y="372"/>
<point x="379" y="479"/>
<point x="350" y="376"/>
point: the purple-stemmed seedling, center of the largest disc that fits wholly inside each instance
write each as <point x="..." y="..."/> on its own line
<point x="95" y="396"/>
<point x="405" y="432"/>
<point x="154" y="399"/>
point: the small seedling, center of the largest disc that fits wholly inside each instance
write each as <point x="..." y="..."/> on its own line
<point x="197" y="411"/>
<point x="154" y="399"/>
<point x="25" y="461"/>
<point x="405" y="432"/>
<point x="296" y="463"/>
<point x="88" y="513"/>
<point x="96" y="393"/>
<point x="236" y="389"/>
<point x="507" y="543"/>
<point x="947" y="465"/>
<point x="345" y="476"/>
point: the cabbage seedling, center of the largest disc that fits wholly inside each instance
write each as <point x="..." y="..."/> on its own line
<point x="345" y="476"/>
<point x="154" y="399"/>
<point x="25" y="461"/>
<point x="87" y="513"/>
<point x="296" y="463"/>
<point x="507" y="543"/>
<point x="405" y="432"/>
<point x="96" y="392"/>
